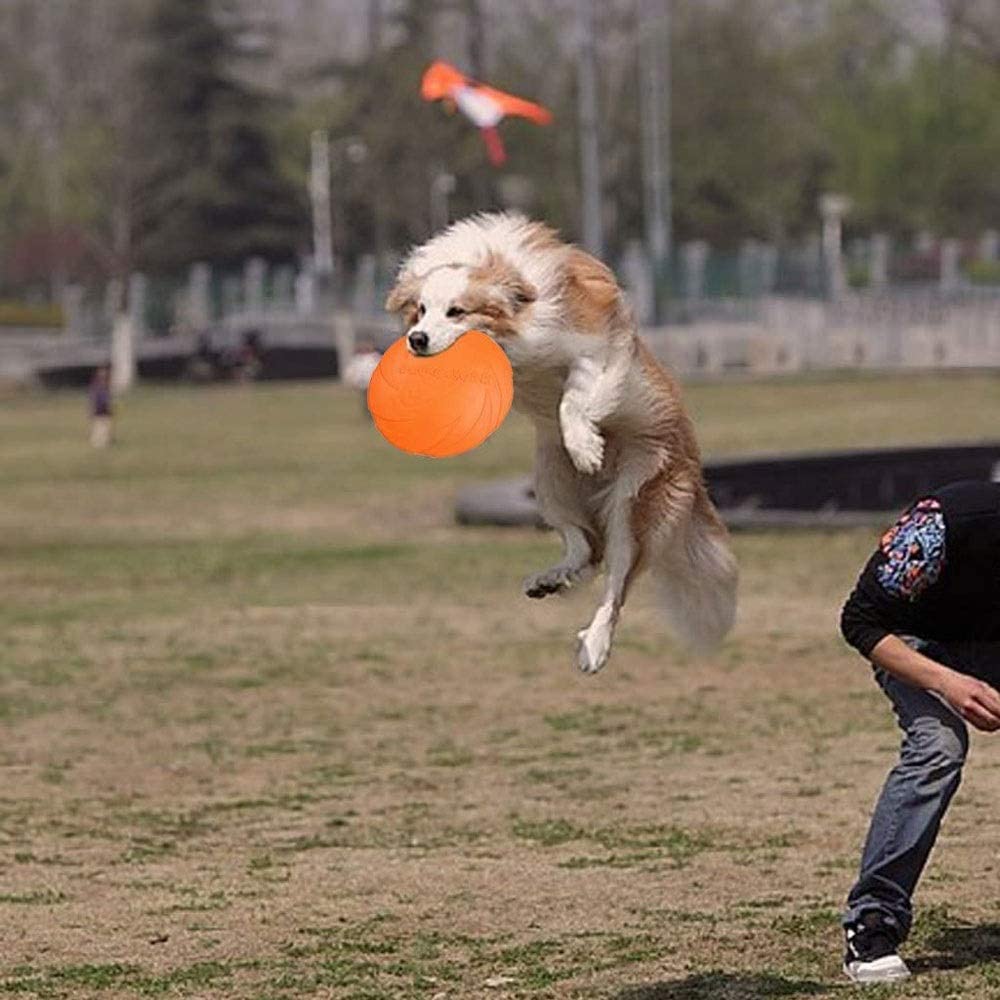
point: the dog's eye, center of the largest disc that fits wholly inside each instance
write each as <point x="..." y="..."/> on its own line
<point x="454" y="312"/>
<point x="421" y="310"/>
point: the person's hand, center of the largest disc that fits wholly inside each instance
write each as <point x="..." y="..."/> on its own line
<point x="974" y="700"/>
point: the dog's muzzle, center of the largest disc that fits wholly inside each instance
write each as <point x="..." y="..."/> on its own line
<point x="418" y="341"/>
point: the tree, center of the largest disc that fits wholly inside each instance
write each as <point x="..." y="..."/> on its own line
<point x="209" y="184"/>
<point x="43" y="90"/>
<point x="975" y="25"/>
<point x="911" y="127"/>
<point x="745" y="141"/>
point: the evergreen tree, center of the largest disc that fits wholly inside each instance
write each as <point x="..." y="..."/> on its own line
<point x="211" y="186"/>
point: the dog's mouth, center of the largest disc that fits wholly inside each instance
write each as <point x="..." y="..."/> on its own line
<point x="424" y="352"/>
<point x="427" y="351"/>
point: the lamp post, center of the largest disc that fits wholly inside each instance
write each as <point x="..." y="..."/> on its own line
<point x="319" y="193"/>
<point x="442" y="187"/>
<point x="590" y="160"/>
<point x="833" y="208"/>
<point x="348" y="150"/>
<point x="653" y="23"/>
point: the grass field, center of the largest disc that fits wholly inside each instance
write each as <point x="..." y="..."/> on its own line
<point x="274" y="727"/>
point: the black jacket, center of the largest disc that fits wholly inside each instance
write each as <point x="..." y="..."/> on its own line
<point x="935" y="574"/>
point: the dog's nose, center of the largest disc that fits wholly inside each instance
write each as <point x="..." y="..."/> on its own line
<point x="418" y="339"/>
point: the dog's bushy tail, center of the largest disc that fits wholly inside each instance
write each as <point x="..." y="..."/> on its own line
<point x="696" y="579"/>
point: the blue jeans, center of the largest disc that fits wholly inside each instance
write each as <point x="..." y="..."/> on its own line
<point x="915" y="796"/>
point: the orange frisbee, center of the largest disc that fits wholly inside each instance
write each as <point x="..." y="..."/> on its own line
<point x="445" y="404"/>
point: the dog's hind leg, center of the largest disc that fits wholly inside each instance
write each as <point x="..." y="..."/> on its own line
<point x="561" y="499"/>
<point x="575" y="567"/>
<point x="623" y="560"/>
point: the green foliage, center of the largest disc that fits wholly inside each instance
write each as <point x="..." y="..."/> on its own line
<point x="211" y="186"/>
<point x="16" y="314"/>
<point x="913" y="137"/>
<point x="745" y="145"/>
<point x="858" y="275"/>
<point x="983" y="272"/>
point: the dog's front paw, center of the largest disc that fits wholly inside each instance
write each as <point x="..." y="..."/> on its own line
<point x="554" y="580"/>
<point x="584" y="445"/>
<point x="593" y="647"/>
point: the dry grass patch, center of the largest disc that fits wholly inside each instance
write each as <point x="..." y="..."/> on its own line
<point x="274" y="727"/>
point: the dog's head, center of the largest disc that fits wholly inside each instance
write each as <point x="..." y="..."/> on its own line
<point x="438" y="307"/>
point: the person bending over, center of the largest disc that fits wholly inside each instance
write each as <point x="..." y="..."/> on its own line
<point x="926" y="613"/>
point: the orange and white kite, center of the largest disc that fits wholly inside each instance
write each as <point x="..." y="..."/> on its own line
<point x="483" y="105"/>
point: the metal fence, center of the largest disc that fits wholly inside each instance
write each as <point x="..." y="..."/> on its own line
<point x="701" y="284"/>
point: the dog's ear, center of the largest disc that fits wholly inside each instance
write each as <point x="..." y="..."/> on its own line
<point x="404" y="294"/>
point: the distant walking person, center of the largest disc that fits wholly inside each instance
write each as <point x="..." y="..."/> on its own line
<point x="101" y="408"/>
<point x="926" y="613"/>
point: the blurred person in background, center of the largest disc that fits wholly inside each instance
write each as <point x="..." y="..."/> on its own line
<point x="926" y="613"/>
<point x="249" y="358"/>
<point x="359" y="370"/>
<point x="201" y="366"/>
<point x="101" y="408"/>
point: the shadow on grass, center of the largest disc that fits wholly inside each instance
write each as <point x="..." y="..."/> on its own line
<point x="725" y="986"/>
<point x="958" y="948"/>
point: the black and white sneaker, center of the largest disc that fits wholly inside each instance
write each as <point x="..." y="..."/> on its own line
<point x="870" y="955"/>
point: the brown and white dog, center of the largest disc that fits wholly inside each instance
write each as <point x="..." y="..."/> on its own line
<point x="617" y="468"/>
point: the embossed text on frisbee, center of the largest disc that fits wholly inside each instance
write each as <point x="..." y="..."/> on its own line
<point x="451" y="374"/>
